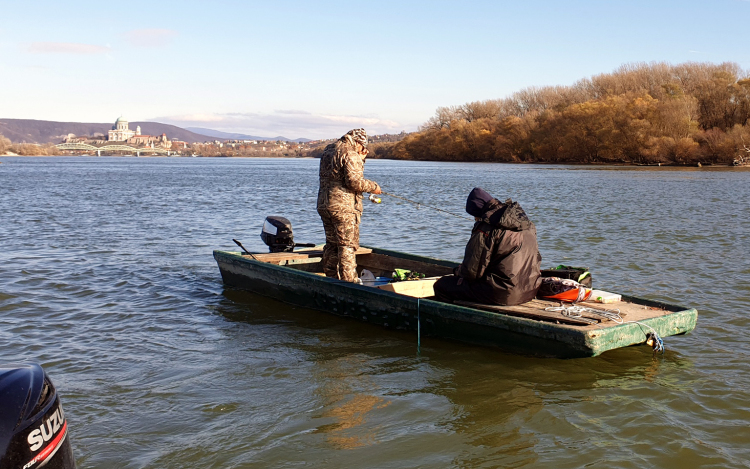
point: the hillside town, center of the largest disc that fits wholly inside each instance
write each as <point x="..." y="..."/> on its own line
<point x="121" y="132"/>
<point x="48" y="138"/>
<point x="122" y="139"/>
<point x="121" y="136"/>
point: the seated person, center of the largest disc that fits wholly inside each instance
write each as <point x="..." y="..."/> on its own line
<point x="502" y="261"/>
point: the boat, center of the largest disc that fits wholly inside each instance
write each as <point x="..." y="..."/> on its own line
<point x="538" y="327"/>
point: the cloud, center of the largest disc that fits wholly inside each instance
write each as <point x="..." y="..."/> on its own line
<point x="150" y="37"/>
<point x="292" y="111"/>
<point x="290" y="124"/>
<point x="193" y="119"/>
<point x="66" y="48"/>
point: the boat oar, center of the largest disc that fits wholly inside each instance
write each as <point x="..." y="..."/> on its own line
<point x="243" y="248"/>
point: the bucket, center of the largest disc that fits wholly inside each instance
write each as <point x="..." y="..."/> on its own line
<point x="368" y="279"/>
<point x="376" y="282"/>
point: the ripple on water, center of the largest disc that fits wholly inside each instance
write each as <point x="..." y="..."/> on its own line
<point x="118" y="297"/>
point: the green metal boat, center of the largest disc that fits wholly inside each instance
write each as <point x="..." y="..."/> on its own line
<point x="296" y="278"/>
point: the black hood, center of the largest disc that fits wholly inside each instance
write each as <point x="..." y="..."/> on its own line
<point x="507" y="216"/>
<point x="477" y="202"/>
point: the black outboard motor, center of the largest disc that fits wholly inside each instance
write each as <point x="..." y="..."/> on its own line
<point x="278" y="236"/>
<point x="33" y="428"/>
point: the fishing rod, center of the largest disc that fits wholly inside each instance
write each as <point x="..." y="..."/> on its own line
<point x="418" y="204"/>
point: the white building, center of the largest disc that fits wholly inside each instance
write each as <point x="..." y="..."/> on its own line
<point x="121" y="132"/>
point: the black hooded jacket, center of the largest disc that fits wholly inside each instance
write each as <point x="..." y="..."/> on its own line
<point x="502" y="257"/>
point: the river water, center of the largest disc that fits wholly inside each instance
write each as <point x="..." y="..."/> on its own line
<point x="107" y="280"/>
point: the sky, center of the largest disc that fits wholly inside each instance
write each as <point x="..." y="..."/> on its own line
<point x="315" y="69"/>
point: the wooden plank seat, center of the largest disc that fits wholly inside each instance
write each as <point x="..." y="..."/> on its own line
<point x="422" y="288"/>
<point x="288" y="258"/>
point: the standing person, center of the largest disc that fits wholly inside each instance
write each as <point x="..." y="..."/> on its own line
<point x="342" y="183"/>
<point x="502" y="262"/>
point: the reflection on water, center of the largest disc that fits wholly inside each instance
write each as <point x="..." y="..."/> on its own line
<point x="107" y="279"/>
<point x="345" y="404"/>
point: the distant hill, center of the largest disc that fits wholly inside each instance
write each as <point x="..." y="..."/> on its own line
<point x="234" y="136"/>
<point x="37" y="131"/>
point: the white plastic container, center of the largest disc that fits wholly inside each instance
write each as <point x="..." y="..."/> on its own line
<point x="601" y="296"/>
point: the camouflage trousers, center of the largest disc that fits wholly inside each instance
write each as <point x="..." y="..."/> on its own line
<point x="342" y="241"/>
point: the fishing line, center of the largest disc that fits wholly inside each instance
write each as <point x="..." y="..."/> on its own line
<point x="419" y="335"/>
<point x="420" y="204"/>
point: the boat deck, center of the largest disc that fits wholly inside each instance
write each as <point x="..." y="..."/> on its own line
<point x="309" y="260"/>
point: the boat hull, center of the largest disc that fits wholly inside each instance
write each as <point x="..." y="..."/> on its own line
<point x="442" y="320"/>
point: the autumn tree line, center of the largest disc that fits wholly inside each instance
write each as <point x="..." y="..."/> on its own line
<point x="639" y="114"/>
<point x="26" y="149"/>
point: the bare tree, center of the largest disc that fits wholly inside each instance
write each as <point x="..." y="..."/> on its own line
<point x="442" y="118"/>
<point x="4" y="144"/>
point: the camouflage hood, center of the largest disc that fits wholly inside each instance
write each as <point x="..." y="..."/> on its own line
<point x="355" y="136"/>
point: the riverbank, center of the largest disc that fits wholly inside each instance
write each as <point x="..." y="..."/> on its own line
<point x="707" y="166"/>
<point x="682" y="114"/>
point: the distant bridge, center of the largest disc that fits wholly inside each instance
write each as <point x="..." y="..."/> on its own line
<point x="99" y="150"/>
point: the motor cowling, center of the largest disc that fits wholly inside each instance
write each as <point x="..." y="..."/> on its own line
<point x="277" y="234"/>
<point x="33" y="427"/>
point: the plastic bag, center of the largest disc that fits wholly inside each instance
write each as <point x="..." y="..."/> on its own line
<point x="562" y="289"/>
<point x="403" y="274"/>
<point x="367" y="277"/>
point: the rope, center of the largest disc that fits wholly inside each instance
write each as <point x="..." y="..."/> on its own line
<point x="419" y="338"/>
<point x="658" y="342"/>
<point x="418" y="204"/>
<point x="575" y="311"/>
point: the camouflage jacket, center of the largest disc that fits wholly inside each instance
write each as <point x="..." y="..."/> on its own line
<point x="342" y="179"/>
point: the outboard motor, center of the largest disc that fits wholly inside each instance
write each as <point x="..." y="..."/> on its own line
<point x="33" y="428"/>
<point x="278" y="236"/>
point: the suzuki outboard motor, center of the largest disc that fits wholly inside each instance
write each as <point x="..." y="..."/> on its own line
<point x="33" y="428"/>
<point x="278" y="236"/>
